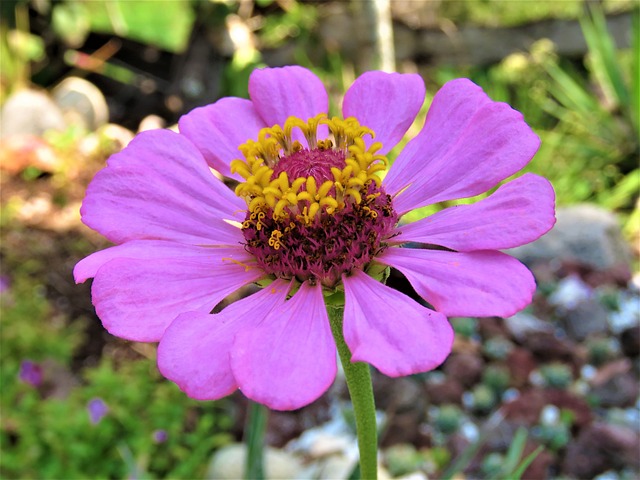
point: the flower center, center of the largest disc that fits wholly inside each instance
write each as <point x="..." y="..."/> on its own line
<point x="318" y="211"/>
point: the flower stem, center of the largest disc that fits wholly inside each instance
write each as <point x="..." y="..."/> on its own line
<point x="358" y="378"/>
<point x="254" y="440"/>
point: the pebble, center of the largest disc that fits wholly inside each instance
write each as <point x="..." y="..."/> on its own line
<point x="81" y="103"/>
<point x="228" y="463"/>
<point x="628" y="314"/>
<point x="30" y="112"/>
<point x="588" y="235"/>
<point x="570" y="292"/>
<point x="522" y="324"/>
<point x="602" y="447"/>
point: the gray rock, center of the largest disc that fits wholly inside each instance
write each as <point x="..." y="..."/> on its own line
<point x="587" y="318"/>
<point x="615" y="385"/>
<point x="81" y="102"/>
<point x="30" y="112"/>
<point x="522" y="324"/>
<point x="602" y="447"/>
<point x="585" y="234"/>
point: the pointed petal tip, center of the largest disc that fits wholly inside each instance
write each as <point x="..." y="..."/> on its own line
<point x="289" y="359"/>
<point x="395" y="334"/>
<point x="385" y="102"/>
<point x="281" y="92"/>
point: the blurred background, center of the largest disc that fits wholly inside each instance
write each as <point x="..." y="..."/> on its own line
<point x="556" y="385"/>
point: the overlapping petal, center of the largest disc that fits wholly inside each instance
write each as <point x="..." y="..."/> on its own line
<point x="218" y="129"/>
<point x="137" y="295"/>
<point x="278" y="93"/>
<point x="288" y="359"/>
<point x="479" y="284"/>
<point x="195" y="350"/>
<point x="391" y="331"/>
<point x="518" y="212"/>
<point x="385" y="102"/>
<point x="155" y="250"/>
<point x="160" y="187"/>
<point x="467" y="146"/>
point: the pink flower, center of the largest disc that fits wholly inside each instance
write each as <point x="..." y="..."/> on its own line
<point x="310" y="216"/>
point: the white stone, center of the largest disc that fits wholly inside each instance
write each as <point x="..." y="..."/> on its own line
<point x="228" y="463"/>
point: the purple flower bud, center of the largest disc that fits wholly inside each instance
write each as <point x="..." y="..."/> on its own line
<point x="97" y="410"/>
<point x="30" y="373"/>
<point x="5" y="283"/>
<point x="160" y="436"/>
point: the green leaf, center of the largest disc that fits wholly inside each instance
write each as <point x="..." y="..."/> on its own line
<point x="603" y="50"/>
<point x="517" y="474"/>
<point x="166" y="25"/>
<point x="515" y="450"/>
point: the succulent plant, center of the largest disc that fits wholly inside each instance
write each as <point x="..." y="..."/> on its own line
<point x="557" y="375"/>
<point x="496" y="377"/>
<point x="448" y="418"/>
<point x="483" y="398"/>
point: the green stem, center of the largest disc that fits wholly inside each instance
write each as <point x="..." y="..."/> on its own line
<point x="358" y="378"/>
<point x="254" y="440"/>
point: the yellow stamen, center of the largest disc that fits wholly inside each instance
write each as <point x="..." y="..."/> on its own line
<point x="238" y="262"/>
<point x="303" y="196"/>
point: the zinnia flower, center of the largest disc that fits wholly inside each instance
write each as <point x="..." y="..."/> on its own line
<point x="309" y="216"/>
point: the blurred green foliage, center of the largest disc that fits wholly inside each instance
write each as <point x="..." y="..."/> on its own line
<point x="501" y="13"/>
<point x="585" y="114"/>
<point x="167" y="27"/>
<point x="46" y="429"/>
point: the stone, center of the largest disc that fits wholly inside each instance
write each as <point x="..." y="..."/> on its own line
<point x="526" y="409"/>
<point x="630" y="341"/>
<point x="492" y="327"/>
<point x="151" y="122"/>
<point x="403" y="400"/>
<point x="228" y="463"/>
<point x="615" y="385"/>
<point x="448" y="391"/>
<point x="627" y="314"/>
<point x="550" y="347"/>
<point x="464" y="367"/>
<point x="602" y="447"/>
<point x="522" y="324"/>
<point x="588" y="318"/>
<point x="520" y="363"/>
<point x="81" y="102"/>
<point x="585" y="234"/>
<point x="30" y="112"/>
<point x="581" y="313"/>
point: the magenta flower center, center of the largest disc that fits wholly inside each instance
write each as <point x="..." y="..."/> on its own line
<point x="316" y="212"/>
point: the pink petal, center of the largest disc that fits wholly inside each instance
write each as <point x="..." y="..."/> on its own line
<point x="480" y="284"/>
<point x="288" y="360"/>
<point x="391" y="331"/>
<point x="137" y="296"/>
<point x="467" y="146"/>
<point x="278" y="93"/>
<point x="195" y="349"/>
<point x="218" y="129"/>
<point x="517" y="213"/>
<point x="136" y="249"/>
<point x="385" y="102"/>
<point x="451" y="110"/>
<point x="160" y="187"/>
